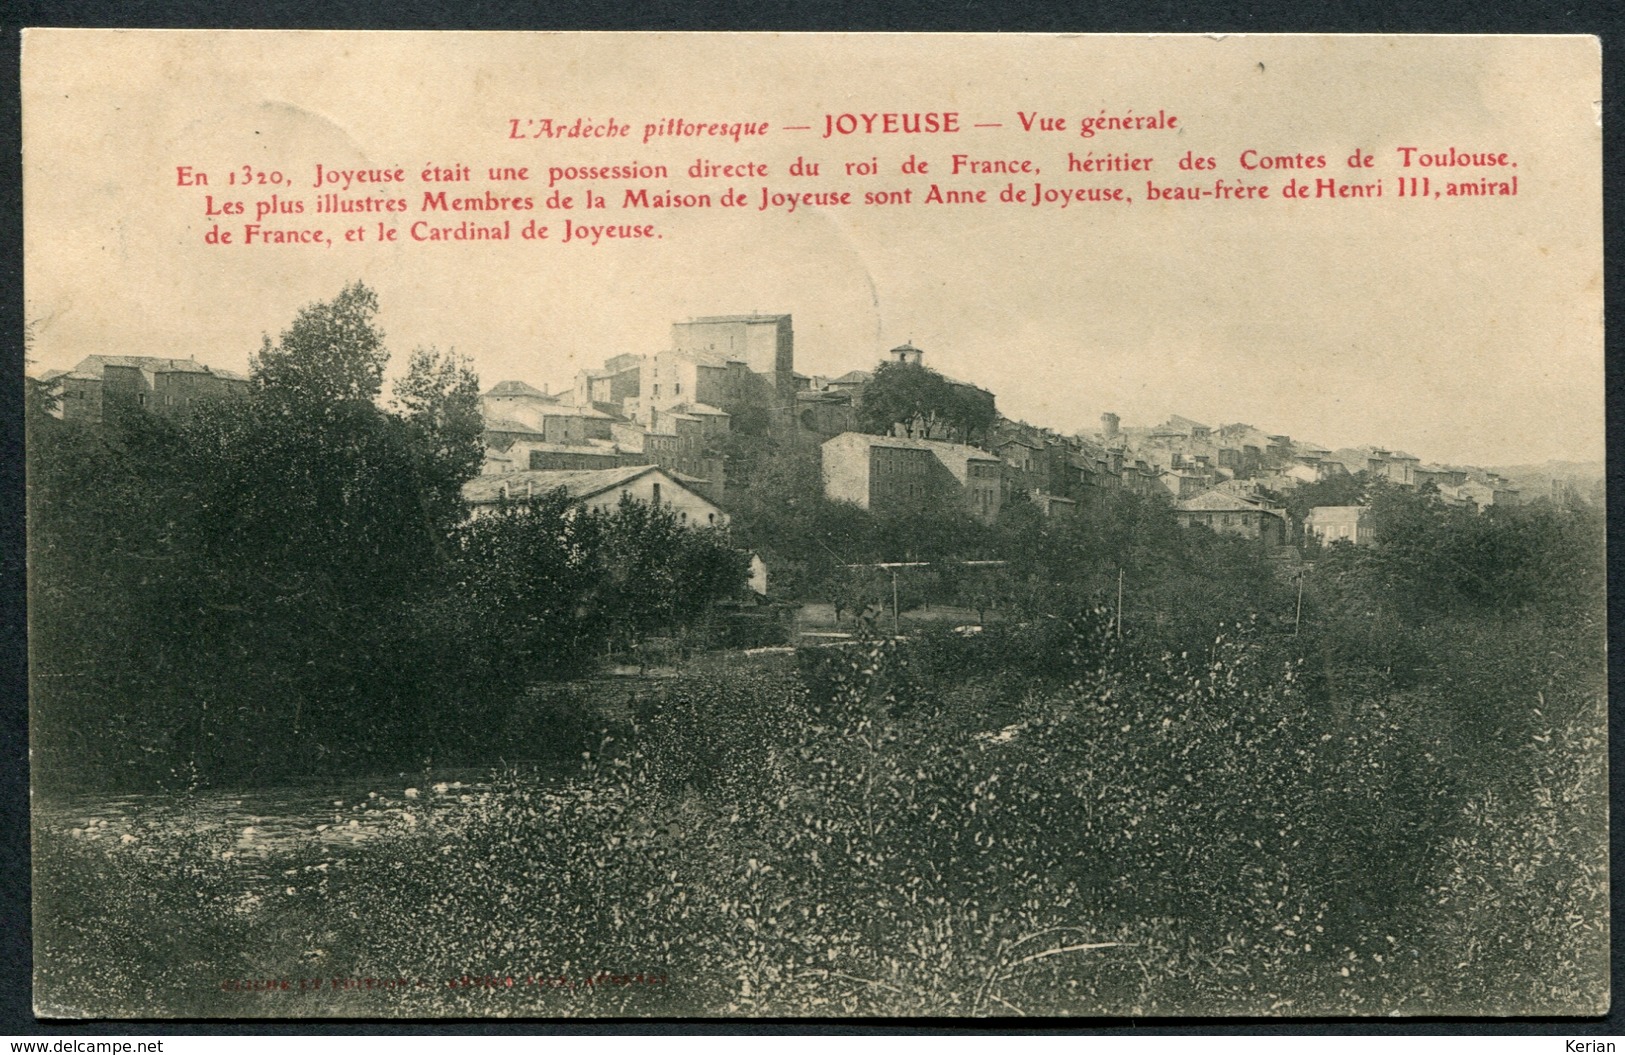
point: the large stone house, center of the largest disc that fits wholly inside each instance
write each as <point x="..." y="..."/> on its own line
<point x="895" y="474"/>
<point x="1230" y="514"/>
<point x="516" y="401"/>
<point x="141" y="382"/>
<point x="1330" y="524"/>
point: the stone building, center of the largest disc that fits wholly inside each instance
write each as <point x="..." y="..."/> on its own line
<point x="1230" y="514"/>
<point x="1330" y="524"/>
<point x="611" y="386"/>
<point x="139" y="382"/>
<point x="894" y="474"/>
<point x="765" y="344"/>
<point x="516" y="401"/>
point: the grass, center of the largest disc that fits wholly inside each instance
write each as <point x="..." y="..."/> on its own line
<point x="1161" y="835"/>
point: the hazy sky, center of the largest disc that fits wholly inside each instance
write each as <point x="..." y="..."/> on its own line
<point x="1465" y="330"/>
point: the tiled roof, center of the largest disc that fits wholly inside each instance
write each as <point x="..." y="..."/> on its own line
<point x="510" y="425"/>
<point x="1319" y="513"/>
<point x="572" y="410"/>
<point x="935" y="446"/>
<point x="580" y="484"/>
<point x="702" y="409"/>
<point x="515" y="388"/>
<point x="1220" y="502"/>
<point x="735" y="318"/>
<point x="96" y="363"/>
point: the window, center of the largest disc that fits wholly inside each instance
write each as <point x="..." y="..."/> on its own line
<point x="657" y="496"/>
<point x="711" y="518"/>
<point x="677" y="388"/>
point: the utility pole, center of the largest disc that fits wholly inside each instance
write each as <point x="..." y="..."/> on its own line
<point x="1119" y="604"/>
<point x="892" y="566"/>
<point x="1297" y="616"/>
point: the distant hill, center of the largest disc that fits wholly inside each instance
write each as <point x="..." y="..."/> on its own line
<point x="1532" y="480"/>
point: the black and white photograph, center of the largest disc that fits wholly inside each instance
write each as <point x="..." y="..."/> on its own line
<point x="814" y="526"/>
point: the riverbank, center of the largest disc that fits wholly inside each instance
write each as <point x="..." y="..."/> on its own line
<point x="889" y="831"/>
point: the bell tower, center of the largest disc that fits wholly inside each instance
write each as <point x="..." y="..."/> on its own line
<point x="906" y="354"/>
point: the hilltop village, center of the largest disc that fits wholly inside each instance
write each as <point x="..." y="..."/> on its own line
<point x="723" y="376"/>
<point x="660" y="427"/>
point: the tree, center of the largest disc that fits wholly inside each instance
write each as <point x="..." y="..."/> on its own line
<point x="1344" y="489"/>
<point x="332" y="354"/>
<point x="659" y="576"/>
<point x="438" y="403"/>
<point x="40" y="399"/>
<point x="909" y="395"/>
<point x="984" y="589"/>
<point x="970" y="411"/>
<point x="857" y="589"/>
<point x="924" y="402"/>
<point x="531" y="567"/>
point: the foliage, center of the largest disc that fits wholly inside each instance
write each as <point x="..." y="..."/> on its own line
<point x="438" y="402"/>
<point x="660" y="575"/>
<point x="281" y="584"/>
<point x="1193" y="803"/>
<point x="1429" y="559"/>
<point x="887" y="833"/>
<point x="1343" y="489"/>
<point x="333" y="354"/>
<point x="923" y="401"/>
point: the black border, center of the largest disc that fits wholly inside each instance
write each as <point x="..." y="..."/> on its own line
<point x="1599" y="17"/>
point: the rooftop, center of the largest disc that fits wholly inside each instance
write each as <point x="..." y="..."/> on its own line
<point x="574" y="410"/>
<point x="579" y="484"/>
<point x="516" y="388"/>
<point x="1221" y="502"/>
<point x="94" y="364"/>
<point x="510" y="425"/>
<point x="701" y="409"/>
<point x="733" y="318"/>
<point x="940" y="447"/>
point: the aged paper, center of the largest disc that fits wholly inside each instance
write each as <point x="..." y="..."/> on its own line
<point x="1151" y="489"/>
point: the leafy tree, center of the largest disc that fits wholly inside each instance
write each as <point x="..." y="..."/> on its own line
<point x="40" y="400"/>
<point x="530" y="566"/>
<point x="332" y="354"/>
<point x="438" y="403"/>
<point x="856" y="590"/>
<point x="971" y="411"/>
<point x="924" y="403"/>
<point x="1345" y="489"/>
<point x="984" y="589"/>
<point x="658" y="575"/>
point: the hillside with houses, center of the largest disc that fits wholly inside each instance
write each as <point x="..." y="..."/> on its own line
<point x="697" y="426"/>
<point x="707" y="426"/>
<point x="727" y="390"/>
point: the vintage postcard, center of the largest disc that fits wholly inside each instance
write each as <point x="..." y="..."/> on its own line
<point x="560" y="525"/>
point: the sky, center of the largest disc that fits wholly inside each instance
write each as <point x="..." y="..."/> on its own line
<point x="1463" y="331"/>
